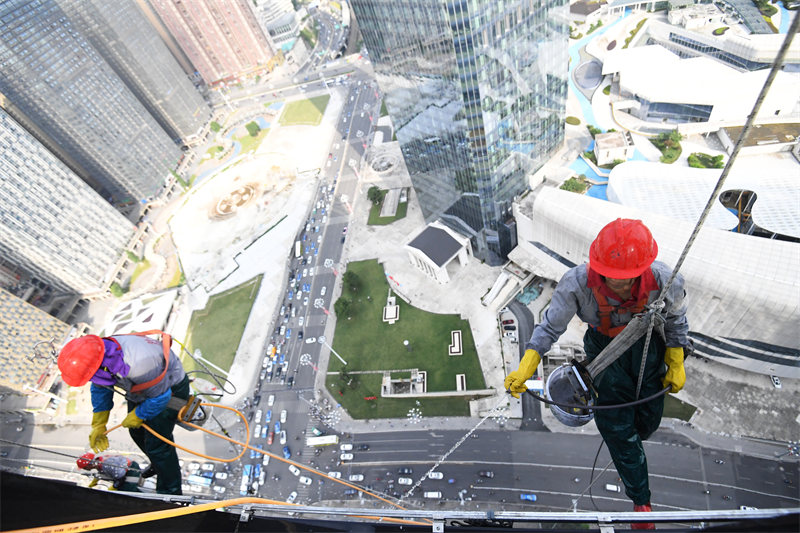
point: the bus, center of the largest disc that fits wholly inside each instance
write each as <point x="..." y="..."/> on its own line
<point x="246" y="473"/>
<point x="194" y="479"/>
<point x="324" y="440"/>
<point x="297" y="249"/>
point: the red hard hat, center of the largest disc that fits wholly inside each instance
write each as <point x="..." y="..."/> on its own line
<point x="80" y="359"/>
<point x="623" y="249"/>
<point x="86" y="461"/>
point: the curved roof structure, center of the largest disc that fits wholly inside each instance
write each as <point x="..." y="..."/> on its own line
<point x="682" y="192"/>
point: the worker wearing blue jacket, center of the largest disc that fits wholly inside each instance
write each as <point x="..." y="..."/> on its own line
<point x="622" y="277"/>
<point x="150" y="374"/>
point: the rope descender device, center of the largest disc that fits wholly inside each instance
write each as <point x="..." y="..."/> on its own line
<point x="191" y="413"/>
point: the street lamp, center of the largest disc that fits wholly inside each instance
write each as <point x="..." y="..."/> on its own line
<point x="321" y="340"/>
<point x="407" y="345"/>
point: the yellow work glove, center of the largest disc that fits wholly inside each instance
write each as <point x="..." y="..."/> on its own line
<point x="132" y="421"/>
<point x="97" y="437"/>
<point x="676" y="375"/>
<point x="515" y="381"/>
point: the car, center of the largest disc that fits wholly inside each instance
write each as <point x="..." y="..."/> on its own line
<point x="291" y="294"/>
<point x="344" y="231"/>
<point x="287" y="453"/>
<point x="270" y="437"/>
<point x="265" y="460"/>
<point x="294" y="470"/>
<point x="507" y="322"/>
<point x="529" y="496"/>
<point x="342" y="241"/>
<point x="221" y="475"/>
<point x="319" y="238"/>
<point x="323" y="291"/>
<point x="335" y="475"/>
<point x="254" y="453"/>
<point x="363" y="447"/>
<point x="311" y="340"/>
<point x="345" y="447"/>
<point x="289" y="333"/>
<point x="346" y="457"/>
<point x="305" y="480"/>
<point x="404" y="470"/>
<point x="305" y="300"/>
<point x="290" y="382"/>
<point x="305" y="272"/>
<point x="300" y="335"/>
<point x="435" y="475"/>
<point x="283" y="309"/>
<point x="277" y="427"/>
<point x="776" y="381"/>
<point x="208" y="467"/>
<point x="264" y="432"/>
<point x="259" y="413"/>
<point x="219" y="489"/>
<point x="263" y="374"/>
<point x="265" y="362"/>
<point x="350" y="492"/>
<point x="271" y="400"/>
<point x="355" y="477"/>
<point x="301" y="321"/>
<point x="292" y="497"/>
<point x="283" y="436"/>
<point x="257" y="430"/>
<point x="486" y="473"/>
<point x="268" y="416"/>
<point x="316" y="229"/>
<point x="405" y="481"/>
<point x="747" y="508"/>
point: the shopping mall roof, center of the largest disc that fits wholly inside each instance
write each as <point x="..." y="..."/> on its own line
<point x="437" y="244"/>
<point x="682" y="192"/>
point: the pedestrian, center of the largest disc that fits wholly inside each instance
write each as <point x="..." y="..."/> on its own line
<point x="149" y="374"/>
<point x="621" y="278"/>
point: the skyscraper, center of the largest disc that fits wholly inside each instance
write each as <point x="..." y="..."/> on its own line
<point x="57" y="236"/>
<point x="130" y="45"/>
<point x="221" y="37"/>
<point x="279" y="21"/>
<point x="476" y="90"/>
<point x="59" y="87"/>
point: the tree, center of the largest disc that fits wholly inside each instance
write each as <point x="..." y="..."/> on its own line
<point x="252" y="128"/>
<point x="343" y="307"/>
<point x="116" y="289"/>
<point x="215" y="127"/>
<point x="374" y="195"/>
<point x="351" y="280"/>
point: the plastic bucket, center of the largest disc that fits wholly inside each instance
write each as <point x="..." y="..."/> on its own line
<point x="565" y="386"/>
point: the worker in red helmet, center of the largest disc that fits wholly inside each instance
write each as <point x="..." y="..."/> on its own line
<point x="123" y="473"/>
<point x="621" y="278"/>
<point x="149" y="374"/>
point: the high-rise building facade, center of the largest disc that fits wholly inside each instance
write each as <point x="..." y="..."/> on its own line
<point x="56" y="234"/>
<point x="55" y="83"/>
<point x="221" y="37"/>
<point x="130" y="45"/>
<point x="476" y="90"/>
<point x="279" y="21"/>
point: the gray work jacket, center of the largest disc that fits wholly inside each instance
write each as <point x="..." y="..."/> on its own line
<point x="145" y="356"/>
<point x="572" y="296"/>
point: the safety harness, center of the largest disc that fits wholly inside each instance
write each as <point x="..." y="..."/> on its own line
<point x="605" y="310"/>
<point x="166" y="342"/>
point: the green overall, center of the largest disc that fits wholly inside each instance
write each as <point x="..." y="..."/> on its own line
<point x="163" y="457"/>
<point x="624" y="429"/>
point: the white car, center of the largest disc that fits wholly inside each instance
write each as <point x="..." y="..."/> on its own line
<point x="301" y="321"/>
<point x="345" y="447"/>
<point x="221" y="475"/>
<point x="257" y="418"/>
<point x="265" y="461"/>
<point x="257" y="430"/>
<point x="196" y="488"/>
<point x="294" y="470"/>
<point x="346" y="457"/>
<point x="305" y="272"/>
<point x="305" y="480"/>
<point x="219" y="489"/>
<point x="265" y="362"/>
<point x="435" y="475"/>
<point x="292" y="497"/>
<point x="405" y="481"/>
<point x="776" y="381"/>
<point x="283" y="414"/>
<point x="335" y="475"/>
<point x="208" y="467"/>
<point x="311" y="340"/>
<point x="283" y="436"/>
<point x="323" y="291"/>
<point x="356" y="477"/>
<point x="319" y="239"/>
<point x="194" y="465"/>
<point x="271" y="400"/>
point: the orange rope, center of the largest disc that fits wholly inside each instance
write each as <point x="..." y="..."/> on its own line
<point x="125" y="520"/>
<point x="246" y="447"/>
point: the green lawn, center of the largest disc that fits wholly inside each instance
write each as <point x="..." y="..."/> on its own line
<point x="140" y="268"/>
<point x="375" y="219"/>
<point x="217" y="329"/>
<point x="250" y="143"/>
<point x="367" y="343"/>
<point x="304" y="112"/>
